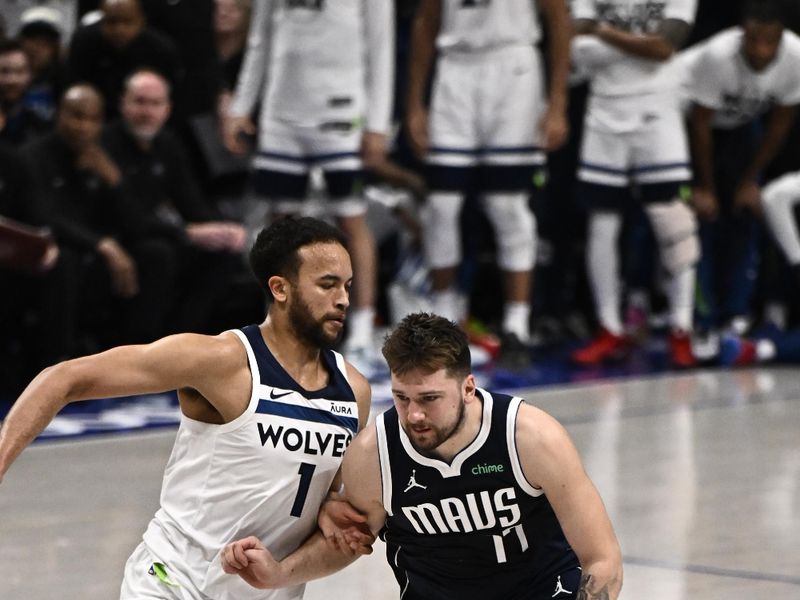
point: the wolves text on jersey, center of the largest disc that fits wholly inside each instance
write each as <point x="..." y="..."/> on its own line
<point x="463" y="515"/>
<point x="642" y="17"/>
<point x="308" y="442"/>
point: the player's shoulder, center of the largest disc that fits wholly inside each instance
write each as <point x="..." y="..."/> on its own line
<point x="216" y="353"/>
<point x="537" y="427"/>
<point x="724" y="44"/>
<point x="791" y="42"/>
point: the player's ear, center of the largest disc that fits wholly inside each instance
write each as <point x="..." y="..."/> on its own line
<point x="279" y="286"/>
<point x="468" y="387"/>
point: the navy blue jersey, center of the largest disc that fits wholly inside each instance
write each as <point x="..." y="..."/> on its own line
<point x="471" y="528"/>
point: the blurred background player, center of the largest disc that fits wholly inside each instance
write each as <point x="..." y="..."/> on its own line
<point x="735" y="78"/>
<point x="488" y="129"/>
<point x="634" y="134"/>
<point x="323" y="72"/>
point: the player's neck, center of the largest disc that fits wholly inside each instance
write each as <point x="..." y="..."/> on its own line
<point x="300" y="359"/>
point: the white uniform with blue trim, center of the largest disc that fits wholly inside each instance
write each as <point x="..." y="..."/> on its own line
<point x="488" y="93"/>
<point x="634" y="129"/>
<point x="263" y="474"/>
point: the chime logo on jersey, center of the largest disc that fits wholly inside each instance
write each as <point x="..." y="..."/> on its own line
<point x="303" y="440"/>
<point x="472" y="512"/>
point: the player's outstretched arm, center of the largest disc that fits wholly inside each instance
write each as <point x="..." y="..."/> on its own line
<point x="550" y="461"/>
<point x="203" y="363"/>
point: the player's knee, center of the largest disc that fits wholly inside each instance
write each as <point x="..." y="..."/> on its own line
<point x="675" y="229"/>
<point x="515" y="228"/>
<point x="781" y="193"/>
<point x="440" y="228"/>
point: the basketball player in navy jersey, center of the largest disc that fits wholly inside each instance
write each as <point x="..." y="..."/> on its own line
<point x="477" y="494"/>
<point x="267" y="413"/>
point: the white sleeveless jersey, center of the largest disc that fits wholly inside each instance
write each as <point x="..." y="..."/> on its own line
<point x="319" y="61"/>
<point x="263" y="474"/>
<point x="476" y="25"/>
<point x="631" y="75"/>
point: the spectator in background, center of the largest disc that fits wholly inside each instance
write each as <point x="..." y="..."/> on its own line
<point x="158" y="176"/>
<point x="22" y="123"/>
<point x="324" y="74"/>
<point x="106" y="52"/>
<point x="634" y="136"/>
<point x="100" y="232"/>
<point x="736" y="77"/>
<point x="40" y="38"/>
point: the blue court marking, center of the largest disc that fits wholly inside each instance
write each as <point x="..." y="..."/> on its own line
<point x="304" y="413"/>
<point x="711" y="570"/>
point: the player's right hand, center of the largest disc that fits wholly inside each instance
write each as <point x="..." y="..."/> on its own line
<point x="249" y="559"/>
<point x="705" y="204"/>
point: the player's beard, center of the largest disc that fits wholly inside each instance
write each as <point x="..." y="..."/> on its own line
<point x="308" y="328"/>
<point x="437" y="435"/>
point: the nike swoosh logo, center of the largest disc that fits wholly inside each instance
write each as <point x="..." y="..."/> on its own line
<point x="275" y="396"/>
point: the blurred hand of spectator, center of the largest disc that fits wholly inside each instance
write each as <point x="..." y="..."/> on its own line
<point x="705" y="203"/>
<point x="93" y="158"/>
<point x="217" y="235"/>
<point x="233" y="131"/>
<point x="417" y="126"/>
<point x="748" y="197"/>
<point x="124" y="276"/>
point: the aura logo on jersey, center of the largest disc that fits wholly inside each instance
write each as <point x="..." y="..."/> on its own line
<point x="473" y="512"/>
<point x="303" y="440"/>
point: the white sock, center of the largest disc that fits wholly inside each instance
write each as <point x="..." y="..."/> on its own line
<point x="516" y="320"/>
<point x="680" y="294"/>
<point x="765" y="350"/>
<point x="602" y="265"/>
<point x="448" y="304"/>
<point x="360" y="321"/>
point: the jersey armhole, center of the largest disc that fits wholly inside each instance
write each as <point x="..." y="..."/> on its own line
<point x="384" y="464"/>
<point x="513" y="452"/>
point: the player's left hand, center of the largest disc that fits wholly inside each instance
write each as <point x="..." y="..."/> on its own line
<point x="249" y="559"/>
<point x="748" y="197"/>
<point x="554" y="129"/>
<point x="345" y="528"/>
<point x="373" y="149"/>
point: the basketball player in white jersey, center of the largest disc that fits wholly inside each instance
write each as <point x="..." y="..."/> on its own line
<point x="323" y="71"/>
<point x="267" y="413"/>
<point x="737" y="77"/>
<point x="634" y="135"/>
<point x="487" y="131"/>
<point x="479" y="495"/>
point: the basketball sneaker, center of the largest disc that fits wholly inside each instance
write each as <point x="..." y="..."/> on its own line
<point x="680" y="350"/>
<point x="735" y="351"/>
<point x="605" y="347"/>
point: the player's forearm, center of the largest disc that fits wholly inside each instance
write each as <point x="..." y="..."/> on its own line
<point x="423" y="48"/>
<point x="313" y="560"/>
<point x="559" y="29"/>
<point x="651" y="47"/>
<point x="778" y="125"/>
<point x="34" y="409"/>
<point x="702" y="145"/>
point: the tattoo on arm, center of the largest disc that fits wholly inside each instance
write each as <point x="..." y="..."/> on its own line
<point x="584" y="593"/>
<point x="675" y="32"/>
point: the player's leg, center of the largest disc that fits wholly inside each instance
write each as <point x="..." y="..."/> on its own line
<point x="449" y="169"/>
<point x="661" y="168"/>
<point x="779" y="200"/>
<point x="604" y="188"/>
<point x="511" y="106"/>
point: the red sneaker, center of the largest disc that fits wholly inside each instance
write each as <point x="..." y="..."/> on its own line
<point x="606" y="346"/>
<point x="680" y="350"/>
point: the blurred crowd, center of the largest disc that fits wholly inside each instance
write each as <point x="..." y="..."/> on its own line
<point x="134" y="172"/>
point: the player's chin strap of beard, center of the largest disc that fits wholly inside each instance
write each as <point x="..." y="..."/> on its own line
<point x="675" y="228"/>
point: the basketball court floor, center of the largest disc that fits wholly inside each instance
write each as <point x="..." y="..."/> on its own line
<point x="700" y="473"/>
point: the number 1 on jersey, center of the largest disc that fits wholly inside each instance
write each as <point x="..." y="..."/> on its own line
<point x="305" y="471"/>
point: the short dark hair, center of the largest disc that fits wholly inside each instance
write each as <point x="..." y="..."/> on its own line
<point x="275" y="251"/>
<point x="427" y="342"/>
<point x="763" y="11"/>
